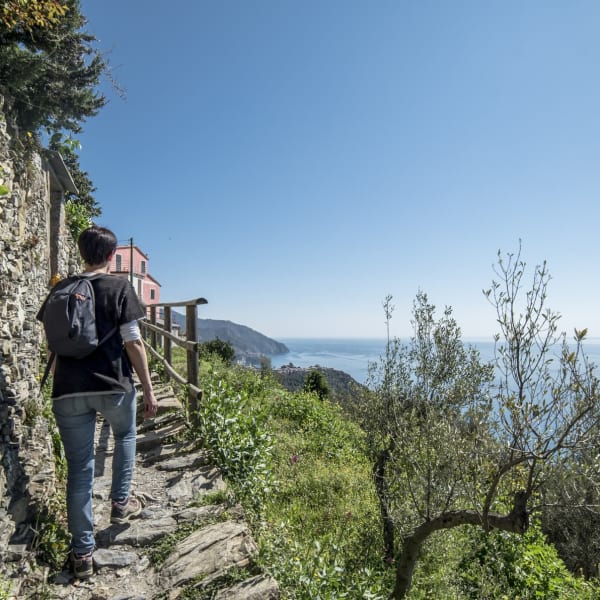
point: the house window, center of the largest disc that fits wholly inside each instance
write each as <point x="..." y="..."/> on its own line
<point x="152" y="294"/>
<point x="118" y="265"/>
<point x="143" y="266"/>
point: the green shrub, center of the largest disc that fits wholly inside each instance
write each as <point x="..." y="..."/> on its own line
<point x="51" y="538"/>
<point x="78" y="217"/>
<point x="5" y="589"/>
<point x="318" y="570"/>
<point x="316" y="383"/>
<point x="224" y="350"/>
<point x="504" y="565"/>
<point x="235" y="433"/>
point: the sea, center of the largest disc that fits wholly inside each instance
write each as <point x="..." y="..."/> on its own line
<point x="353" y="356"/>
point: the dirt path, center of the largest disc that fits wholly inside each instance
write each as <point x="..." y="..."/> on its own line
<point x="170" y="477"/>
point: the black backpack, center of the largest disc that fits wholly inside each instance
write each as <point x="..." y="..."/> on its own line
<point x="69" y="320"/>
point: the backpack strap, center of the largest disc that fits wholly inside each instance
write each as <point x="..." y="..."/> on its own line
<point x="47" y="370"/>
<point x="108" y="336"/>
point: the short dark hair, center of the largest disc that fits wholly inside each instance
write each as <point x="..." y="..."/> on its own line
<point x="96" y="244"/>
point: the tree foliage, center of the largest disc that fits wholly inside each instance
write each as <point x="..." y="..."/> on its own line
<point x="48" y="65"/>
<point x="83" y="202"/>
<point x="316" y="383"/>
<point x="497" y="564"/>
<point x="455" y="441"/>
<point x="571" y="511"/>
<point x="26" y="16"/>
<point x="217" y="347"/>
<point x="49" y="72"/>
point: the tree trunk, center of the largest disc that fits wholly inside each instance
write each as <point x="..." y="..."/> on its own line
<point x="381" y="488"/>
<point x="517" y="521"/>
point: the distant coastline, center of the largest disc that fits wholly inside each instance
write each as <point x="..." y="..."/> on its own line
<point x="350" y="355"/>
<point x="353" y="355"/>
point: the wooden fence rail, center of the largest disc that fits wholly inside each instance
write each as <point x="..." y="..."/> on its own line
<point x="153" y="331"/>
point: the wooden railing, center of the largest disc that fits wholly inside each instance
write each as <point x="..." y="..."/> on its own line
<point x="154" y="332"/>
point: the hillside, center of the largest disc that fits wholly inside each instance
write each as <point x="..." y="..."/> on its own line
<point x="344" y="388"/>
<point x="249" y="344"/>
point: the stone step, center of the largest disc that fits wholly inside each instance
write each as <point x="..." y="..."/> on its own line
<point x="186" y="486"/>
<point x="151" y="439"/>
<point x="164" y="452"/>
<point x="185" y="462"/>
<point x="207" y="553"/>
<point x="159" y="422"/>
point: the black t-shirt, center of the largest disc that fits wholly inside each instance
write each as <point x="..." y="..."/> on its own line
<point x="107" y="369"/>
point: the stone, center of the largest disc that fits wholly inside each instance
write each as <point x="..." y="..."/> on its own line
<point x="208" y="551"/>
<point x="188" y="485"/>
<point x="15" y="552"/>
<point x="155" y="438"/>
<point x="62" y="578"/>
<point x="158" y="422"/>
<point x="165" y="451"/>
<point x="142" y="565"/>
<point x="139" y="532"/>
<point x="195" y="514"/>
<point x="115" y="559"/>
<point x="20" y="509"/>
<point x="261" y="587"/>
<point x="185" y="463"/>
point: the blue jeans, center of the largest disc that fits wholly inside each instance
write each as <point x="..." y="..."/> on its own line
<point x="76" y="420"/>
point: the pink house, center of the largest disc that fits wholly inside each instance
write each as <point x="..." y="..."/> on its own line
<point x="147" y="288"/>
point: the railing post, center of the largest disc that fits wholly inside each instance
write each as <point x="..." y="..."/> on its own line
<point x="153" y="321"/>
<point x="166" y="340"/>
<point x="191" y="332"/>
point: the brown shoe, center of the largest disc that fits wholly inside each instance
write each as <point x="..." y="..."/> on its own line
<point x="83" y="566"/>
<point x="121" y="512"/>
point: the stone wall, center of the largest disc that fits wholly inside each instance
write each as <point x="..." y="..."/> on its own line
<point x="31" y="222"/>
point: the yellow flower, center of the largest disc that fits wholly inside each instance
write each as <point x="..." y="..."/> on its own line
<point x="55" y="279"/>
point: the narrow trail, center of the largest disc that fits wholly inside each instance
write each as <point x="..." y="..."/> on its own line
<point x="169" y="476"/>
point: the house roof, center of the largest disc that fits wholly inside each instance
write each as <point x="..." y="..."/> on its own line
<point x="128" y="247"/>
<point x="153" y="280"/>
<point x="59" y="171"/>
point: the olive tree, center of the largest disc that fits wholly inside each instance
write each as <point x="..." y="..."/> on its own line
<point x="571" y="510"/>
<point x="456" y="441"/>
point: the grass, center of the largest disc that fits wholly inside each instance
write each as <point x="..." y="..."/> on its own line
<point x="317" y="521"/>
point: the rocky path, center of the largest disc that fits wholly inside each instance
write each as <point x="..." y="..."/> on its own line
<point x="208" y="545"/>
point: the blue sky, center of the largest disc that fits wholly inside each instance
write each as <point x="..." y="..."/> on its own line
<point x="294" y="162"/>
